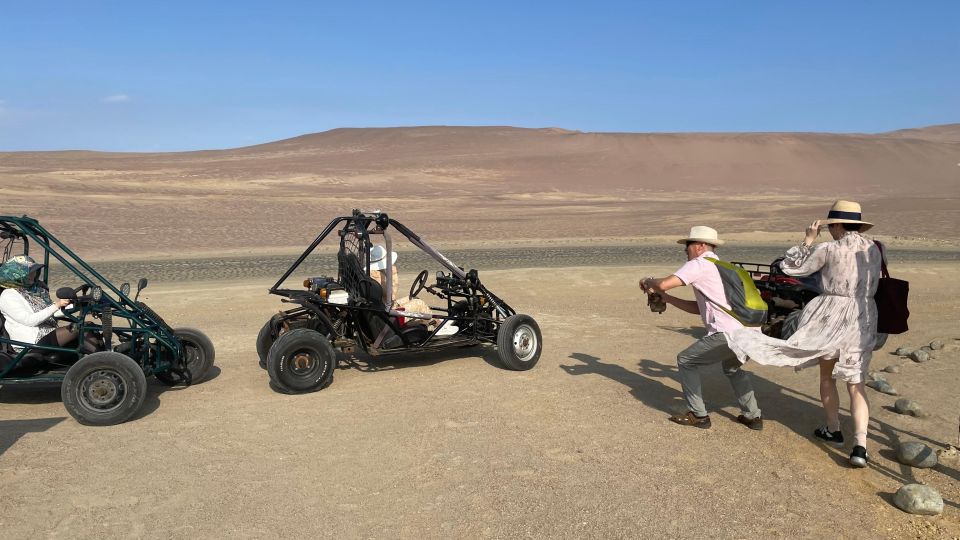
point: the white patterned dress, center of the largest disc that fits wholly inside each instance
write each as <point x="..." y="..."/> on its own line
<point x="840" y="324"/>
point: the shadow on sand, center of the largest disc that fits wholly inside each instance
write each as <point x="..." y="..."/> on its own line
<point x="798" y="411"/>
<point x="12" y="430"/>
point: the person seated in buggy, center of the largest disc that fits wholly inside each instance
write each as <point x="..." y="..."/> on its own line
<point x="29" y="313"/>
<point x="378" y="271"/>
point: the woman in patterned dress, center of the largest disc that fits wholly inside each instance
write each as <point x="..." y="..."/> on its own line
<point x="838" y="329"/>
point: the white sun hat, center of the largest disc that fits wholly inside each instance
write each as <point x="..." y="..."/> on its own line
<point x="378" y="261"/>
<point x="703" y="234"/>
<point x="846" y="212"/>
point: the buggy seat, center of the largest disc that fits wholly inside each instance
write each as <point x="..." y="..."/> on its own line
<point x="363" y="287"/>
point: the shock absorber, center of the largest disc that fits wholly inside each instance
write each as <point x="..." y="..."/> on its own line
<point x="107" y="319"/>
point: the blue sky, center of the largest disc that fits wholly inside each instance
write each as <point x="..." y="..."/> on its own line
<point x="161" y="76"/>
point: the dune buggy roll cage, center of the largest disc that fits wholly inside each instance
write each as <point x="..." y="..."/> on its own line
<point x="355" y="239"/>
<point x="142" y="321"/>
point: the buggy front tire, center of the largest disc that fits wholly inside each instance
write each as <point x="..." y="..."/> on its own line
<point x="103" y="389"/>
<point x="301" y="360"/>
<point x="519" y="342"/>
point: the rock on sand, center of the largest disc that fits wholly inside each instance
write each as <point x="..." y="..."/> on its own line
<point x="919" y="499"/>
<point x="917" y="454"/>
<point x="883" y="387"/>
<point x="909" y="407"/>
<point x="919" y="356"/>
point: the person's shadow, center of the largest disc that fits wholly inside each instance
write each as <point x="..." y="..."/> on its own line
<point x="648" y="390"/>
<point x="12" y="430"/>
<point x="799" y="412"/>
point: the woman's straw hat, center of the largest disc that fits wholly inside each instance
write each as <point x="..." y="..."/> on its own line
<point x="702" y="234"/>
<point x="378" y="261"/>
<point x="846" y="212"/>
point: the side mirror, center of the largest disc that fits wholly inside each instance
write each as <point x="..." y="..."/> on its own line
<point x="125" y="289"/>
<point x="142" y="284"/>
<point x="66" y="293"/>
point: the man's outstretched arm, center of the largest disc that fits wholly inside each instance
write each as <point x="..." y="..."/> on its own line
<point x="661" y="285"/>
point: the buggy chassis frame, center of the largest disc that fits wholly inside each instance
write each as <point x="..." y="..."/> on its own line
<point x="152" y="343"/>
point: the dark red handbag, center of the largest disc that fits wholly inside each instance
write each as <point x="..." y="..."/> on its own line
<point x="891" y="299"/>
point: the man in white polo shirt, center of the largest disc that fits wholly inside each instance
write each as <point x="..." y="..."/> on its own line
<point x="712" y="306"/>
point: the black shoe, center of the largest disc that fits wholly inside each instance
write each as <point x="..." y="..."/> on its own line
<point x="859" y="457"/>
<point x="833" y="438"/>
<point x="755" y="424"/>
<point x="690" y="419"/>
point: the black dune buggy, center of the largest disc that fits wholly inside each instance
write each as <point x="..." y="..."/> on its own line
<point x="785" y="295"/>
<point x="121" y="340"/>
<point x="298" y="346"/>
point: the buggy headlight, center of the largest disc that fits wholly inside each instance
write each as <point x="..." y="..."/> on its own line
<point x="324" y="293"/>
<point x="96" y="294"/>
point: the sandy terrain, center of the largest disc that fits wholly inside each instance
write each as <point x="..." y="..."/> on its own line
<point x="454" y="446"/>
<point x="561" y="224"/>
<point x="477" y="184"/>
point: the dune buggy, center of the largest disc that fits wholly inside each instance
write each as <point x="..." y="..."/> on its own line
<point x="349" y="311"/>
<point x="785" y="295"/>
<point x="102" y="384"/>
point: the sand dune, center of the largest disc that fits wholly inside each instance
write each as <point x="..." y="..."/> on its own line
<point x="536" y="183"/>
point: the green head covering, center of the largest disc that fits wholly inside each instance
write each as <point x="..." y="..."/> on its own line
<point x="13" y="275"/>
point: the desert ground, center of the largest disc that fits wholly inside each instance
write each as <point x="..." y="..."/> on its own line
<point x="561" y="225"/>
<point x="455" y="446"/>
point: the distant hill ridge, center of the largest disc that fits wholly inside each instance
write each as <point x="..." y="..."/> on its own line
<point x="902" y="161"/>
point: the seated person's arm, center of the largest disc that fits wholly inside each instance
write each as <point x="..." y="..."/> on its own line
<point x="15" y="307"/>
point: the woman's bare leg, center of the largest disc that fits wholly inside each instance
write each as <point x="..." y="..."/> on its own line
<point x="860" y="410"/>
<point x="829" y="396"/>
<point x="65" y="336"/>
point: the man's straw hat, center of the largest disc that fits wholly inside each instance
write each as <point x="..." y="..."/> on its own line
<point x="846" y="212"/>
<point x="702" y="234"/>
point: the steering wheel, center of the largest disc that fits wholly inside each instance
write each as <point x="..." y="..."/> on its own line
<point x="418" y="284"/>
<point x="82" y="289"/>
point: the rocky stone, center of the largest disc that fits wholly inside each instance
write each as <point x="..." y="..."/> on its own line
<point x="883" y="387"/>
<point x="918" y="499"/>
<point x="936" y="344"/>
<point x="876" y="376"/>
<point x="917" y="455"/>
<point x="892" y="369"/>
<point x="949" y="455"/>
<point x="903" y="351"/>
<point x="909" y="407"/>
<point x="919" y="356"/>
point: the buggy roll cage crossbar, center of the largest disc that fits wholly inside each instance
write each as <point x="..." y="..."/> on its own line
<point x="361" y="227"/>
<point x="361" y="224"/>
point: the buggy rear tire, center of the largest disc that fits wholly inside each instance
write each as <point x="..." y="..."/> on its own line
<point x="199" y="353"/>
<point x="301" y="360"/>
<point x="519" y="342"/>
<point x="103" y="389"/>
